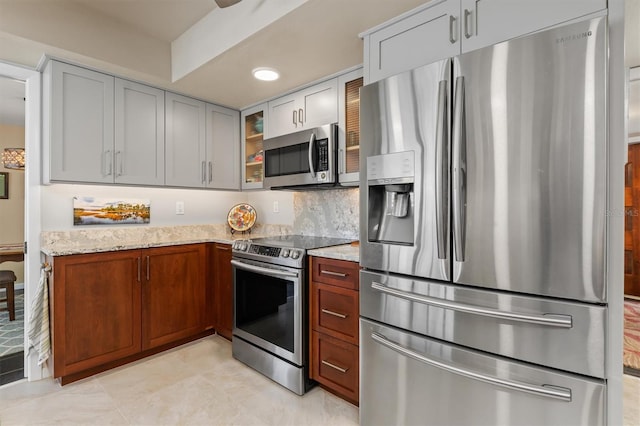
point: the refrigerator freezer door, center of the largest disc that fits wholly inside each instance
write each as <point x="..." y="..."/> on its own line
<point x="564" y="335"/>
<point x="529" y="164"/>
<point x="405" y="154"/>
<point x="408" y="379"/>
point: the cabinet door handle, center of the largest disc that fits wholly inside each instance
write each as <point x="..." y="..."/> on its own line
<point x="109" y="162"/>
<point x="119" y="162"/>
<point x="223" y="248"/>
<point x="301" y="116"/>
<point x="203" y="172"/>
<point x="335" y="314"/>
<point x="335" y="367"/>
<point x="210" y="171"/>
<point x="295" y="117"/>
<point x="452" y="34"/>
<point x="335" y="274"/>
<point x="467" y="14"/>
<point x="139" y="268"/>
<point x="148" y="272"/>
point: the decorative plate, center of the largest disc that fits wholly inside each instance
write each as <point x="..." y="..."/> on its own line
<point x="241" y="217"/>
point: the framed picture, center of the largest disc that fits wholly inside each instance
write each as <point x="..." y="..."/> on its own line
<point x="4" y="185"/>
<point x="107" y="211"/>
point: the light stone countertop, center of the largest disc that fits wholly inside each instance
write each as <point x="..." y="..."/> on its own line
<point x="61" y="243"/>
<point x="343" y="252"/>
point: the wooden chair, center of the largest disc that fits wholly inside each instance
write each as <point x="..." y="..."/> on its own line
<point x="7" y="280"/>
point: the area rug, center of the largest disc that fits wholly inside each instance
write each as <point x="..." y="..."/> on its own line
<point x="631" y="358"/>
<point x="12" y="332"/>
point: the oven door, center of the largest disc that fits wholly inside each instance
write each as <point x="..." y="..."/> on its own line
<point x="268" y="307"/>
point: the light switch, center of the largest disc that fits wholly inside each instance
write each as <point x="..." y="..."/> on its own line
<point x="276" y="207"/>
<point x="179" y="207"/>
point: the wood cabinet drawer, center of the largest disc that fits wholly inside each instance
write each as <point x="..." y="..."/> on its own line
<point x="340" y="273"/>
<point x="336" y="365"/>
<point x="335" y="311"/>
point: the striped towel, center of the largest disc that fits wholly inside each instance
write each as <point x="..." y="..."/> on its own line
<point x="39" y="338"/>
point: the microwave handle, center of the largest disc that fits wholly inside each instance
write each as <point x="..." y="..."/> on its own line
<point x="312" y="142"/>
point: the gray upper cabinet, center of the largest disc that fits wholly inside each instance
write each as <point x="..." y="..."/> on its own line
<point x="185" y="141"/>
<point x="487" y="22"/>
<point x="424" y="36"/>
<point x="78" y="121"/>
<point x="202" y="144"/>
<point x="139" y="134"/>
<point x="311" y="107"/>
<point x="223" y="147"/>
<point x="444" y="28"/>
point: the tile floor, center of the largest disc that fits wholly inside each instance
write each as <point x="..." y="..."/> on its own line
<point x="196" y="384"/>
<point x="199" y="383"/>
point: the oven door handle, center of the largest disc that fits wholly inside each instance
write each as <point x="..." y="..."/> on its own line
<point x="266" y="271"/>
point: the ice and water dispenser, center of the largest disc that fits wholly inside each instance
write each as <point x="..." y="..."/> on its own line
<point x="390" y="185"/>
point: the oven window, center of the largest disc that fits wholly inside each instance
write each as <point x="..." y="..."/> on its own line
<point x="264" y="307"/>
<point x="288" y="160"/>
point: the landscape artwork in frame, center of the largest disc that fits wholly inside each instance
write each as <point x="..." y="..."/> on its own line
<point x="4" y="185"/>
<point x="103" y="211"/>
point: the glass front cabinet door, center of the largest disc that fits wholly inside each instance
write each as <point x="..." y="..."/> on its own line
<point x="253" y="122"/>
<point x="349" y="85"/>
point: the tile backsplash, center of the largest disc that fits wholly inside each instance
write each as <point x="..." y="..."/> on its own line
<point x="330" y="213"/>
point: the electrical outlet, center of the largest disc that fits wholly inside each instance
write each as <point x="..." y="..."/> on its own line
<point x="276" y="207"/>
<point x="179" y="207"/>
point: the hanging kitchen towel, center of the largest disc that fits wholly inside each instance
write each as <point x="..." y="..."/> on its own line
<point x="39" y="338"/>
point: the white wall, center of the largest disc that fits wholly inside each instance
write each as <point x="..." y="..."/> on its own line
<point x="263" y="202"/>
<point x="200" y="206"/>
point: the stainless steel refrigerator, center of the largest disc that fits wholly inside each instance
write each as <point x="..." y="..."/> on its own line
<point x="482" y="203"/>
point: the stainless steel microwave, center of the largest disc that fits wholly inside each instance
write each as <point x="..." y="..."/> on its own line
<point x="303" y="159"/>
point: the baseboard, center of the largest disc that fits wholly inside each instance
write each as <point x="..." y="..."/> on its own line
<point x="631" y="371"/>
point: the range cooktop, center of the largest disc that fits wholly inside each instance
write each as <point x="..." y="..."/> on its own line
<point x="305" y="242"/>
<point x="285" y="250"/>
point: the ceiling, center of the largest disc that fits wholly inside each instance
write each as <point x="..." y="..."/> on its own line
<point x="135" y="38"/>
<point x="139" y="40"/>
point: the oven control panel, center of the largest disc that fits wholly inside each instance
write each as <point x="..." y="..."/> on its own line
<point x="269" y="253"/>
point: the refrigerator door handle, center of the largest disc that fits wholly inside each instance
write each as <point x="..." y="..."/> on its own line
<point x="442" y="171"/>
<point x="459" y="171"/>
<point x="547" y="391"/>
<point x="552" y="320"/>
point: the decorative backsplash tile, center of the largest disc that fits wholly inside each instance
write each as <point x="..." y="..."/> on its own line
<point x="333" y="213"/>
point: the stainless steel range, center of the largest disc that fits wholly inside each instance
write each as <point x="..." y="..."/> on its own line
<point x="270" y="316"/>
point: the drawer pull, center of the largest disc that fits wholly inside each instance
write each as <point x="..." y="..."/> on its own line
<point x="335" y="274"/>
<point x="335" y="314"/>
<point x="340" y="369"/>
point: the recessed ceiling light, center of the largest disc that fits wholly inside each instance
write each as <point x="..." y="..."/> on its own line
<point x="266" y="74"/>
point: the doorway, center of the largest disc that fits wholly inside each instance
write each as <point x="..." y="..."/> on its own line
<point x="631" y="357"/>
<point x="12" y="214"/>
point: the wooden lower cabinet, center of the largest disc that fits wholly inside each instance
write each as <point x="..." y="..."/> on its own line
<point x="223" y="289"/>
<point x="336" y="365"/>
<point x="334" y="323"/>
<point x="96" y="309"/>
<point x="114" y="307"/>
<point x="173" y="293"/>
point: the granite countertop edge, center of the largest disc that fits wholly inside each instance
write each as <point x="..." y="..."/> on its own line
<point x="86" y="241"/>
<point x="343" y="252"/>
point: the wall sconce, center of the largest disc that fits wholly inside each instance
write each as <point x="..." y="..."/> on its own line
<point x="13" y="158"/>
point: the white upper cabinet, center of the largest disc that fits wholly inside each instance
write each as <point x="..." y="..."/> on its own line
<point x="185" y="141"/>
<point x="223" y="147"/>
<point x="426" y="36"/>
<point x="487" y="22"/>
<point x="78" y="117"/>
<point x="349" y="85"/>
<point x="202" y="144"/>
<point x="139" y="134"/>
<point x="445" y="28"/>
<point x="311" y="107"/>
